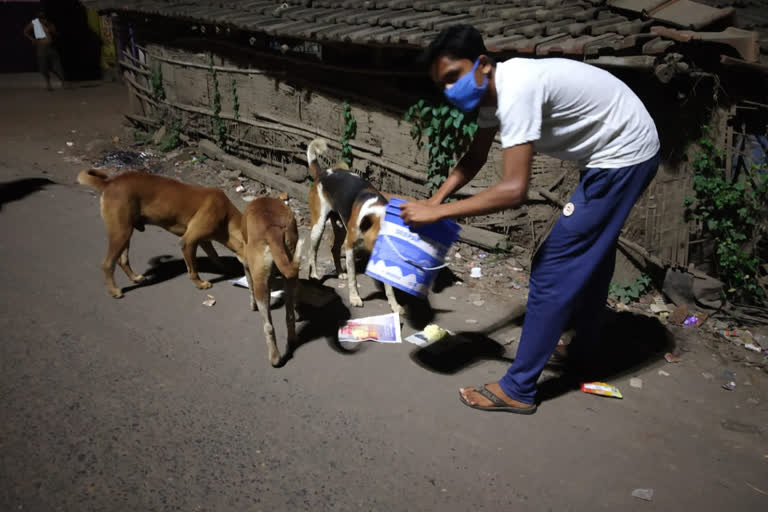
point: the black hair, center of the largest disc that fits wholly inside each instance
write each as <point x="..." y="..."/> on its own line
<point x="456" y="41"/>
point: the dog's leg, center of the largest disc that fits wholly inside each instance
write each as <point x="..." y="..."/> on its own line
<point x="315" y="236"/>
<point x="207" y="246"/>
<point x="319" y="210"/>
<point x="396" y="308"/>
<point x="125" y="264"/>
<point x="349" y="253"/>
<point x="189" y="249"/>
<point x="191" y="238"/>
<point x="339" y="234"/>
<point x="291" y="289"/>
<point x="250" y="285"/>
<point x="260" y="270"/>
<point x="119" y="235"/>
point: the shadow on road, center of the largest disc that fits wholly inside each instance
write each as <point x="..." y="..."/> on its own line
<point x="322" y="312"/>
<point x="629" y="342"/>
<point x="165" y="267"/>
<point x="19" y="189"/>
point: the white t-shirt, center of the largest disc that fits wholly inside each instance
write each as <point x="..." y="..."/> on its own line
<point x="571" y="111"/>
<point x="37" y="26"/>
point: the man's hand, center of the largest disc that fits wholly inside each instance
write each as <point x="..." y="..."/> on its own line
<point x="419" y="213"/>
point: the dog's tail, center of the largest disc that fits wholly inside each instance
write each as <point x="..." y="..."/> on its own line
<point x="316" y="148"/>
<point x="287" y="263"/>
<point x="93" y="178"/>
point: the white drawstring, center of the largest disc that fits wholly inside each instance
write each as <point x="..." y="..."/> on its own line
<point x="392" y="246"/>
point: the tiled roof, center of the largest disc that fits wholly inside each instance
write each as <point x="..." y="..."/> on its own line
<point x="750" y="15"/>
<point x="540" y="27"/>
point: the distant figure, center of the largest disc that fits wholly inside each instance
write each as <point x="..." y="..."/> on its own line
<point x="42" y="33"/>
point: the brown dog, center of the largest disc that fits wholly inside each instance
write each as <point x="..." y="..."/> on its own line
<point x="198" y="215"/>
<point x="271" y="236"/>
<point x="348" y="198"/>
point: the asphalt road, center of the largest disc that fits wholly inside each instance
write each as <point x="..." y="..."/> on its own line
<point x="156" y="402"/>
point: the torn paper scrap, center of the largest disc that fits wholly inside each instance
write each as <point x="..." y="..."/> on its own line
<point x="243" y="281"/>
<point x="381" y="328"/>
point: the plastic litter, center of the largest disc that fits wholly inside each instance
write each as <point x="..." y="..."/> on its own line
<point x="602" y="389"/>
<point x="691" y="321"/>
<point x="730" y="334"/>
<point x="643" y="494"/>
<point x="70" y="144"/>
<point x="730" y="380"/>
<point x="240" y="188"/>
<point x="753" y="348"/>
<point x="636" y="383"/>
<point x="429" y="335"/>
<point x="210" y="301"/>
<point x="470" y="321"/>
<point x="482" y="255"/>
<point x="663" y="373"/>
<point x="476" y="272"/>
<point x="671" y="358"/>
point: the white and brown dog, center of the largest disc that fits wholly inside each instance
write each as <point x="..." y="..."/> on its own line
<point x="346" y="197"/>
<point x="271" y="237"/>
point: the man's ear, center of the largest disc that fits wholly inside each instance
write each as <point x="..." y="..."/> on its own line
<point x="484" y="64"/>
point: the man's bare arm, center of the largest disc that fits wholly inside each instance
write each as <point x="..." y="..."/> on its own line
<point x="29" y="32"/>
<point x="510" y="192"/>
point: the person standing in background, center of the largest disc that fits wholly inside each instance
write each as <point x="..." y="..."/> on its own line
<point x="42" y="33"/>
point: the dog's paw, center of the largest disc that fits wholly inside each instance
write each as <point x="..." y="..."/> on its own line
<point x="117" y="294"/>
<point x="139" y="278"/>
<point x="356" y="302"/>
<point x="397" y="308"/>
<point x="203" y="285"/>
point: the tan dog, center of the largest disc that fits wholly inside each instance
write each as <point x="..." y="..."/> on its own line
<point x="198" y="215"/>
<point x="359" y="207"/>
<point x="271" y="236"/>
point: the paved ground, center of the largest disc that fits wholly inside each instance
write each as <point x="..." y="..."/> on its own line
<point x="155" y="402"/>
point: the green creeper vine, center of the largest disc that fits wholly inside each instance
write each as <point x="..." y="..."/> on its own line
<point x="172" y="139"/>
<point x="219" y="126"/>
<point x="235" y="100"/>
<point x="350" y="131"/>
<point x="732" y="213"/>
<point x="449" y="133"/>
<point x="629" y="292"/>
<point x="156" y="82"/>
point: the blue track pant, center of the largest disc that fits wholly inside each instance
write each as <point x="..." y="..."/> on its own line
<point x="572" y="271"/>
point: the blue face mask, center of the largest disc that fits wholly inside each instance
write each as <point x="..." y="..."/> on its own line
<point x="465" y="94"/>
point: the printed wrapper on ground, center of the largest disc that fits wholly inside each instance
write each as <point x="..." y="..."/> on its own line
<point x="382" y="329"/>
<point x="602" y="389"/>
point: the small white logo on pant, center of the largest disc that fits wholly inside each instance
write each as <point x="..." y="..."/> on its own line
<point x="568" y="209"/>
